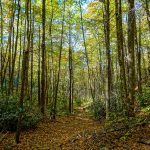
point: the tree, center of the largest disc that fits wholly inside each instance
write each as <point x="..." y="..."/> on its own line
<point x="15" y="53"/>
<point x="86" y="51"/>
<point x="70" y="68"/>
<point x="120" y="47"/>
<point x="131" y="59"/>
<point x="108" y="53"/>
<point x="1" y="46"/>
<point x="24" y="75"/>
<point x="59" y="61"/>
<point x="43" y="81"/>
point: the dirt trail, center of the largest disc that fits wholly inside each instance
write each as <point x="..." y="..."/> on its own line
<point x="79" y="132"/>
<point x="66" y="133"/>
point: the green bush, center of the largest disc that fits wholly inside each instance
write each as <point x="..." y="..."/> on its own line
<point x="77" y="102"/>
<point x="116" y="103"/>
<point x="9" y="110"/>
<point x="62" y="105"/>
<point x="8" y="113"/>
<point x="97" y="109"/>
<point x="143" y="98"/>
<point x="30" y="121"/>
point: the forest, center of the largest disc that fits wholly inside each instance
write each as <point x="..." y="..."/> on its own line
<point x="74" y="74"/>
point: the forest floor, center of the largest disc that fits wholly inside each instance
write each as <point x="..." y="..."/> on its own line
<point x="79" y="132"/>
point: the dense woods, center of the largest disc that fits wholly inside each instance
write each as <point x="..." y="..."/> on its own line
<point x="59" y="55"/>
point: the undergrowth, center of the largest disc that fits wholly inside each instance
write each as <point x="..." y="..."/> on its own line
<point x="9" y="110"/>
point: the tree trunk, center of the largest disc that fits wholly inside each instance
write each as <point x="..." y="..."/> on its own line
<point x="86" y="52"/>
<point x="148" y="13"/>
<point x="1" y="46"/>
<point x="32" y="51"/>
<point x="70" y="69"/>
<point x="108" y="55"/>
<point x="39" y="71"/>
<point x="121" y="51"/>
<point x="24" y="75"/>
<point x="43" y="81"/>
<point x="139" y="59"/>
<point x="15" y="53"/>
<point x="131" y="35"/>
<point x="59" y="63"/>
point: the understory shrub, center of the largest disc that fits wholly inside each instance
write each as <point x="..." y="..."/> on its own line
<point x="97" y="109"/>
<point x="31" y="120"/>
<point x="116" y="103"/>
<point x="62" y="105"/>
<point x="9" y="110"/>
<point x="77" y="102"/>
<point x="144" y="98"/>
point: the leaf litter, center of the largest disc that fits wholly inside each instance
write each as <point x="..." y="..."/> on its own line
<point x="78" y="132"/>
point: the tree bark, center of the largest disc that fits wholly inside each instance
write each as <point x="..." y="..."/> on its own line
<point x="120" y="48"/>
<point x="131" y="54"/>
<point x="86" y="52"/>
<point x="43" y="81"/>
<point x="70" y="69"/>
<point x="15" y="53"/>
<point x="108" y="54"/>
<point x="59" y="63"/>
<point x="1" y="46"/>
<point x="24" y="75"/>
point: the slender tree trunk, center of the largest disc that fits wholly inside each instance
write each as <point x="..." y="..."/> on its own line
<point x="18" y="75"/>
<point x="22" y="94"/>
<point x="43" y="81"/>
<point x="131" y="35"/>
<point x="15" y="53"/>
<point x="148" y="13"/>
<point x="59" y="64"/>
<point x="32" y="51"/>
<point x="121" y="51"/>
<point x="148" y="61"/>
<point x="1" y="46"/>
<point x="52" y="59"/>
<point x="70" y="70"/>
<point x="86" y="52"/>
<point x="148" y="20"/>
<point x="24" y="75"/>
<point x="108" y="54"/>
<point x="10" y="49"/>
<point x="39" y="71"/>
<point x="139" y="59"/>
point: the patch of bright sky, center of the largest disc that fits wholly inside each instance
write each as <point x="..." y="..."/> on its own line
<point x="85" y="3"/>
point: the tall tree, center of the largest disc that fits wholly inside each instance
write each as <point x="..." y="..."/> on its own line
<point x="24" y="75"/>
<point x="70" y="67"/>
<point x="39" y="69"/>
<point x="43" y="81"/>
<point x="120" y="48"/>
<point x="10" y="45"/>
<point x="86" y="51"/>
<point x="108" y="54"/>
<point x="52" y="51"/>
<point x="32" y="51"/>
<point x="139" y="59"/>
<point x="1" y="44"/>
<point x="15" y="53"/>
<point x="148" y="13"/>
<point x="59" y="63"/>
<point x="131" y="58"/>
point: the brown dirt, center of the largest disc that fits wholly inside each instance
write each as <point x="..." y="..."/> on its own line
<point x="78" y="132"/>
